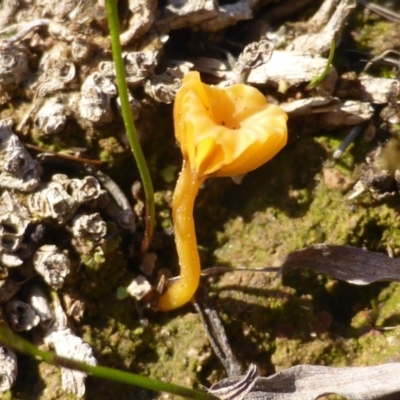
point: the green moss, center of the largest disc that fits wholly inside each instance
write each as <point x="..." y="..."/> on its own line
<point x="185" y="351"/>
<point x="270" y="234"/>
<point x="377" y="347"/>
<point x="110" y="148"/>
<point x="102" y="272"/>
<point x="388" y="306"/>
<point x="41" y="381"/>
<point x="163" y="202"/>
<point x="376" y="36"/>
<point x="291" y="352"/>
<point x="169" y="173"/>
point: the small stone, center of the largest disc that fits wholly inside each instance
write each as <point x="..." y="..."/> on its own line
<point x="139" y="288"/>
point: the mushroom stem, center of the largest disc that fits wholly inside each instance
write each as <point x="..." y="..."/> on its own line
<point x="182" y="291"/>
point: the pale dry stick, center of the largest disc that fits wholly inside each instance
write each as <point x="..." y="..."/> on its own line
<point x="380" y="10"/>
<point x="24" y="29"/>
<point x="320" y="42"/>
<point x="383" y="57"/>
<point x="48" y="153"/>
<point x="216" y="333"/>
<point x="322" y="16"/>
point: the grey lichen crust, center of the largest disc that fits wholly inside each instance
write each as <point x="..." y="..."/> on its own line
<point x="71" y="207"/>
<point x="8" y="368"/>
<point x="17" y="168"/>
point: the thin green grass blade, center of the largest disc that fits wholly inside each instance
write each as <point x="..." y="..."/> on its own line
<point x="9" y="339"/>
<point x="317" y="80"/>
<point x="112" y="16"/>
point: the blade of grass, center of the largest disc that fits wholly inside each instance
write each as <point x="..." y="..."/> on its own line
<point x="318" y="79"/>
<point x="17" y="343"/>
<point x="113" y="23"/>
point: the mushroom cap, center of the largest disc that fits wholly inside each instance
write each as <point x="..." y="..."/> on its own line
<point x="226" y="131"/>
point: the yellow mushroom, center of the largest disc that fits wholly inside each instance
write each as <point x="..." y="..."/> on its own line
<point x="222" y="132"/>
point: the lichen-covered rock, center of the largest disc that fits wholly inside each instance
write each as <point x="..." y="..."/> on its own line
<point x="96" y="93"/>
<point x="8" y="368"/>
<point x="17" y="168"/>
<point x="51" y="117"/>
<point x="13" y="69"/>
<point x="52" y="264"/>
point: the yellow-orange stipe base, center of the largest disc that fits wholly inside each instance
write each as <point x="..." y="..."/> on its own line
<point x="181" y="291"/>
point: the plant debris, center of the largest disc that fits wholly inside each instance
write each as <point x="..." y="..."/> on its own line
<point x="350" y="264"/>
<point x="305" y="382"/>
